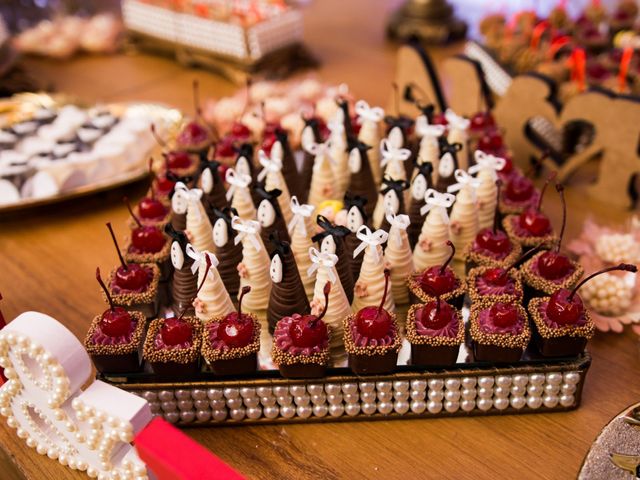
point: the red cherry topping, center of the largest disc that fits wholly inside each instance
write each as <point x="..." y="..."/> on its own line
<point x="236" y="329"/>
<point x="490" y="141"/>
<point x="150" y="208"/>
<point x="496" y="276"/>
<point x="497" y="242"/>
<point x="177" y="159"/>
<point x="176" y="331"/>
<point x="440" y="280"/>
<point x="535" y="222"/>
<point x="436" y="315"/>
<point x="115" y="321"/>
<point x="128" y="276"/>
<point x="553" y="265"/>
<point x="481" y="121"/>
<point x="439" y="119"/>
<point x="503" y="314"/>
<point x="194" y="133"/>
<point x="309" y="330"/>
<point x="240" y="131"/>
<point x="519" y="189"/>
<point x="226" y="147"/>
<point x="148" y="239"/>
<point x="375" y="322"/>
<point x="164" y="185"/>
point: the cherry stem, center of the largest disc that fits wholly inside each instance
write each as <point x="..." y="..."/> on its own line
<point x="104" y="289"/>
<point x="551" y="176"/>
<point x="453" y="252"/>
<point x="246" y="289"/>
<point x="263" y="112"/>
<point x="135" y="217"/>
<point x="115" y="242"/>
<point x="496" y="213"/>
<point x="160" y="141"/>
<point x="387" y="274"/>
<point x="396" y="97"/>
<point x="153" y="176"/>
<point x="625" y="267"/>
<point x="204" y="279"/>
<point x="196" y="97"/>
<point x="247" y="100"/>
<point x="560" y="190"/>
<point x="325" y="291"/>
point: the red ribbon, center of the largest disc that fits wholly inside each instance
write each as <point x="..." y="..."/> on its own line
<point x="627" y="54"/>
<point x="537" y="33"/>
<point x="578" y="62"/>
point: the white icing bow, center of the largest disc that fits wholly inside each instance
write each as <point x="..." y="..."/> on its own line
<point x="300" y="212"/>
<point x="456" y="121"/>
<point x="400" y="222"/>
<point x="249" y="229"/>
<point x="368" y="114"/>
<point x="425" y="129"/>
<point x="370" y="239"/>
<point x="200" y="259"/>
<point x="322" y="150"/>
<point x="191" y="196"/>
<point x="322" y="259"/>
<point x="236" y="180"/>
<point x="441" y="201"/>
<point x="486" y="161"/>
<point x="391" y="153"/>
<point x="270" y="165"/>
<point x="464" y="179"/>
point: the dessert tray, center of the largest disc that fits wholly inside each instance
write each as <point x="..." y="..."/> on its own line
<point x="54" y="150"/>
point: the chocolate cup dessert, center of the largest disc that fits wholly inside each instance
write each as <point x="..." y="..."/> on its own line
<point x="501" y="346"/>
<point x="116" y="354"/>
<point x="298" y="362"/>
<point x="537" y="286"/>
<point x="510" y="207"/>
<point x="225" y="360"/>
<point x="434" y="348"/>
<point x="476" y="256"/>
<point x="417" y="295"/>
<point x="480" y="291"/>
<point x="161" y="258"/>
<point x="511" y="225"/>
<point x="145" y="301"/>
<point x="554" y="340"/>
<point x="173" y="360"/>
<point x="369" y="359"/>
<point x="159" y="222"/>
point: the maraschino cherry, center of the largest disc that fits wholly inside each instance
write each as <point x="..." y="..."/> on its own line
<point x="149" y="207"/>
<point x="236" y="329"/>
<point x="436" y="314"/>
<point x="194" y="132"/>
<point x="481" y="121"/>
<point x="128" y="276"/>
<point x="145" y="238"/>
<point x="533" y="220"/>
<point x="503" y="314"/>
<point x="492" y="239"/>
<point x="240" y="131"/>
<point x="566" y="308"/>
<point x="520" y="188"/>
<point x="440" y="279"/>
<point x="375" y="322"/>
<point x="552" y="264"/>
<point x="491" y="141"/>
<point x="174" y="159"/>
<point x="498" y="276"/>
<point x="309" y="330"/>
<point x="176" y="331"/>
<point x="115" y="321"/>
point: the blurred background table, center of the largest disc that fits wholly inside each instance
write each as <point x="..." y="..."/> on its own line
<point x="48" y="258"/>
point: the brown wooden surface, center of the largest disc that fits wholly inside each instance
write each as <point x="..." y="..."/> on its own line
<point x="47" y="260"/>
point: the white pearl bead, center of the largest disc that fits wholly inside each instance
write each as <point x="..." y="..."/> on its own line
<point x="186" y="417"/>
<point x="332" y="388"/>
<point x="336" y="410"/>
<point x="503" y="381"/>
<point x="418" y="384"/>
<point x="469" y="393"/>
<point x="284" y="400"/>
<point x="501" y="403"/>
<point x="52" y="453"/>
<point x="572" y="378"/>
<point x="567" y="400"/>
<point x="568" y="389"/>
<point x="171" y="417"/>
<point x="303" y="399"/>
<point x="271" y="412"/>
<point x="349" y="388"/>
<point x="318" y="399"/>
<point x="335" y="399"/>
<point x="264" y="391"/>
<point x="518" y="390"/>
<point x="280" y="391"/>
<point x="468" y="405"/>
<point x="218" y="404"/>
<point x="485" y="382"/>
<point x="518" y="401"/>
<point x="401" y="396"/>
<point x="203" y="415"/>
<point x="469" y="382"/>
<point x="297" y="390"/>
<point x="452" y="406"/>
<point x="536" y="379"/>
<point x="182" y="405"/>
<point x="352" y="397"/>
<point x="230" y="393"/>
<point x="219" y="415"/>
<point x="520" y="380"/>
<point x="237" y="413"/>
<point x="484" y="392"/>
<point x="401" y="386"/>
<point x="452" y="395"/>
<point x="534" y="402"/>
<point x="385" y="408"/>
<point x="198" y="394"/>
<point x="418" y="394"/>
<point x="384" y="386"/>
<point x="166" y="396"/>
<point x="550" y="389"/>
<point x="268" y="401"/>
<point x="401" y="407"/>
<point x="501" y="391"/>
<point x="169" y="406"/>
<point x="201" y="404"/>
<point x="554" y="378"/>
<point x="434" y="407"/>
<point x="315" y="389"/>
<point x="385" y="396"/>
<point x="288" y="411"/>
<point x="485" y="404"/>
<point x="452" y="383"/>
<point x="369" y="408"/>
<point x="248" y="392"/>
<point x="352" y="409"/>
<point x="535" y="390"/>
<point x="418" y="406"/>
<point x="368" y="397"/>
<point x="320" y="410"/>
<point x="183" y="394"/>
<point x="436" y="384"/>
<point x="304" y="411"/>
<point x="436" y="395"/>
<point x="550" y="401"/>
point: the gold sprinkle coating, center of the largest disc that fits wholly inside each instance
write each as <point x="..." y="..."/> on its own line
<point x="158" y="257"/>
<point x="434" y="341"/>
<point x="414" y="287"/>
<point x="536" y="309"/>
<point x="116" y="349"/>
<point x="476" y="297"/>
<point x="370" y="351"/>
<point x="212" y="354"/>
<point x="160" y="222"/>
<point x="547" y="286"/>
<point x="528" y="241"/>
<point x="135" y="298"/>
<point x="177" y="355"/>
<point x="280" y="357"/>
<point x="504" y="340"/>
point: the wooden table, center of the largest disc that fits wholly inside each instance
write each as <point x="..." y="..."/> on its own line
<point x="48" y="260"/>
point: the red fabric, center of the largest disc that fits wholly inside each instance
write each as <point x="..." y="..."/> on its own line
<point x="172" y="455"/>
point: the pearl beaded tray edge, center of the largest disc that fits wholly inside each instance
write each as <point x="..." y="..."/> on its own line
<point x="484" y="391"/>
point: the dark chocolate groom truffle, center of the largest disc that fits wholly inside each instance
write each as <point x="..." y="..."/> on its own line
<point x="422" y="182"/>
<point x="393" y="199"/>
<point x="289" y="168"/>
<point x="229" y="253"/>
<point x="214" y="195"/>
<point x="270" y="216"/>
<point x="356" y="217"/>
<point x="311" y="134"/>
<point x="332" y="240"/>
<point x="287" y="291"/>
<point x="184" y="284"/>
<point x="448" y="163"/>
<point x="361" y="182"/>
